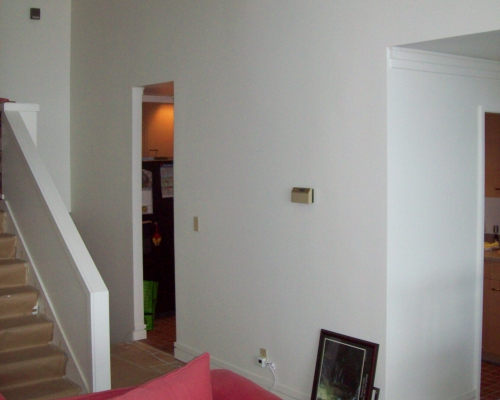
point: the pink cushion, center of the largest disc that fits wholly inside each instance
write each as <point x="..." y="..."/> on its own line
<point x="226" y="385"/>
<point x="190" y="382"/>
<point x="108" y="394"/>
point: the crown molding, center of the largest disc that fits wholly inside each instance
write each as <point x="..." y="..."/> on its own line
<point x="429" y="61"/>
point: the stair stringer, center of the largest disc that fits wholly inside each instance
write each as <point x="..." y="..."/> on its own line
<point x="73" y="371"/>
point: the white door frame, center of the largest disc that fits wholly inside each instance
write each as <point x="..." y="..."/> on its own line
<point x="139" y="326"/>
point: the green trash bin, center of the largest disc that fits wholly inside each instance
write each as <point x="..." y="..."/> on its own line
<point x="150" y="289"/>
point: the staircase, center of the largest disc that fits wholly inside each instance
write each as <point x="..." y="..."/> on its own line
<point x="30" y="366"/>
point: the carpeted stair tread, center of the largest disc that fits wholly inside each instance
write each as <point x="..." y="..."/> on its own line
<point x="17" y="301"/>
<point x="9" y="261"/>
<point x="31" y="368"/>
<point x="8" y="245"/>
<point x="3" y="221"/>
<point x="32" y="352"/>
<point x="53" y="389"/>
<point x="31" y="365"/>
<point x="12" y="272"/>
<point x="24" y="332"/>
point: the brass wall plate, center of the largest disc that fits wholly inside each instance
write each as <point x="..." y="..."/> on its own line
<point x="302" y="195"/>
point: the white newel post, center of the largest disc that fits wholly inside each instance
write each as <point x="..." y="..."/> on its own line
<point x="29" y="114"/>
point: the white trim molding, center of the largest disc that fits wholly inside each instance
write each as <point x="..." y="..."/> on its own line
<point x="139" y="331"/>
<point x="429" y="61"/>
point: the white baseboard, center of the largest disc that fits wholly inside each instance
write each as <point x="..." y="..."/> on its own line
<point x="469" y="396"/>
<point x="139" y="334"/>
<point x="185" y="354"/>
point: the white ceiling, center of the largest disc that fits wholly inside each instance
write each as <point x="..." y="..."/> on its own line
<point x="480" y="45"/>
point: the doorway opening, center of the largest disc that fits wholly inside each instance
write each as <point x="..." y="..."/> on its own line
<point x="490" y="347"/>
<point x="157" y="214"/>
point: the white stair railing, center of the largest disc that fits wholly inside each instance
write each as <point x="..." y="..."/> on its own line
<point x="69" y="280"/>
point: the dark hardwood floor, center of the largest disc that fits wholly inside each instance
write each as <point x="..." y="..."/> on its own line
<point x="490" y="381"/>
<point x="162" y="336"/>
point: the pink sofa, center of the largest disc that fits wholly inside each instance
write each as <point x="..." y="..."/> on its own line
<point x="194" y="381"/>
<point x="226" y="385"/>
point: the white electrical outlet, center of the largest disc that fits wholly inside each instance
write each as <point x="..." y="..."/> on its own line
<point x="262" y="358"/>
<point x="263" y="353"/>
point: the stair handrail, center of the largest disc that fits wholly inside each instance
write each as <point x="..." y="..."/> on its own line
<point x="76" y="293"/>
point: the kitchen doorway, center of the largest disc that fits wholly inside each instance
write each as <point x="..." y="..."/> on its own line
<point x="154" y="252"/>
<point x="491" y="289"/>
<point x="490" y="336"/>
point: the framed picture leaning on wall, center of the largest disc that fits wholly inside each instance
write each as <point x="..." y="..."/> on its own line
<point x="345" y="368"/>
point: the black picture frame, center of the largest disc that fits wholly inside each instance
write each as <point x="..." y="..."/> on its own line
<point x="345" y="368"/>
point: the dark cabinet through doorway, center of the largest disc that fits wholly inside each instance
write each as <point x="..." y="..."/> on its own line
<point x="159" y="261"/>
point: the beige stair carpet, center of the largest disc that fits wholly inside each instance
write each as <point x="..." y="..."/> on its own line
<point x="30" y="366"/>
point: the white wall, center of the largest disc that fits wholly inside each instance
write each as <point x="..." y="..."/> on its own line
<point x="436" y="196"/>
<point x="269" y="95"/>
<point x="35" y="68"/>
